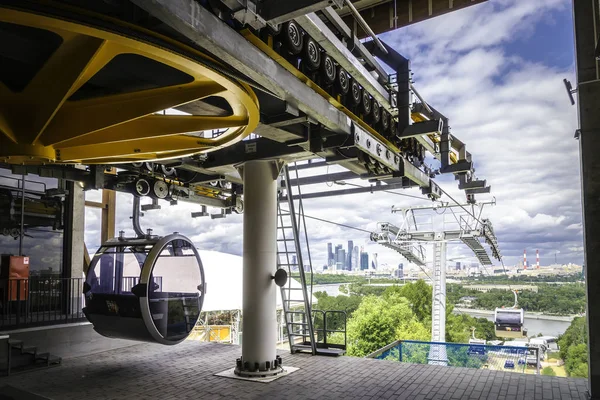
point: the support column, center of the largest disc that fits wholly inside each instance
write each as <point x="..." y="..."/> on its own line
<point x="259" y="317"/>
<point x="437" y="352"/>
<point x="73" y="249"/>
<point x="587" y="17"/>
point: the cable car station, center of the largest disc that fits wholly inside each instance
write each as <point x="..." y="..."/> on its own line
<point x="223" y="104"/>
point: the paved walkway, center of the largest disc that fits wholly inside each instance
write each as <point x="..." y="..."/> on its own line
<point x="185" y="371"/>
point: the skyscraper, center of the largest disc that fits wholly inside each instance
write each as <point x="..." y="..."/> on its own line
<point x="355" y="259"/>
<point x="364" y="260"/>
<point x="349" y="255"/>
<point x="330" y="255"/>
<point x="400" y="271"/>
<point x="340" y="259"/>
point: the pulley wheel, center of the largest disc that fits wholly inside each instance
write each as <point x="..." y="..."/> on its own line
<point x="376" y="112"/>
<point x="142" y="187"/>
<point x="385" y="121"/>
<point x="366" y="104"/>
<point x="167" y="171"/>
<point x="328" y="72"/>
<point x="91" y="89"/>
<point x="292" y="37"/>
<point x="355" y="93"/>
<point x="225" y="185"/>
<point x="160" y="189"/>
<point x="312" y="54"/>
<point x="393" y="127"/>
<point x="343" y="81"/>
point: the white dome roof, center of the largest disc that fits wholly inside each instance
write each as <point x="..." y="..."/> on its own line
<point x="223" y="273"/>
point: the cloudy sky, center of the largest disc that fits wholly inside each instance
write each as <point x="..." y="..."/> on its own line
<point x="495" y="70"/>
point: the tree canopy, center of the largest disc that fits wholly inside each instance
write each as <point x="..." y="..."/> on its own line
<point x="574" y="348"/>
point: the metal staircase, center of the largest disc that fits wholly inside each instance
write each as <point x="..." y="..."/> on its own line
<point x="17" y="357"/>
<point x="293" y="254"/>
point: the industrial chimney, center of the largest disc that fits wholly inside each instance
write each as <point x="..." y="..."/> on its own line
<point x="525" y="259"/>
<point x="537" y="259"/>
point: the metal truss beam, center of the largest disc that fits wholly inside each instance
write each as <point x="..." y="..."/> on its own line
<point x="277" y="11"/>
<point x="320" y="32"/>
<point x="210" y="33"/>
<point x="313" y="180"/>
<point x="335" y="193"/>
<point x="432" y="127"/>
<point x="386" y="15"/>
<point x="359" y="48"/>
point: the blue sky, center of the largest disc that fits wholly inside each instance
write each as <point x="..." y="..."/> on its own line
<point x="495" y="70"/>
<point x="550" y="42"/>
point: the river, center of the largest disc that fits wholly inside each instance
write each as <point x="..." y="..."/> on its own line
<point x="534" y="326"/>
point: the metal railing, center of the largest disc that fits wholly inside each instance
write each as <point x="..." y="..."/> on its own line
<point x="40" y="301"/>
<point x="478" y="356"/>
<point x="323" y="328"/>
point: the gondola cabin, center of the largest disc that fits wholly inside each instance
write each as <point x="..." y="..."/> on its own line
<point x="509" y="323"/>
<point x="147" y="289"/>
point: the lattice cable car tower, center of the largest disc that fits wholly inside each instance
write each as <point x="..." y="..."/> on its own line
<point x="410" y="238"/>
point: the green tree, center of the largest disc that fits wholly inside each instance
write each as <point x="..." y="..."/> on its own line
<point x="548" y="371"/>
<point x="576" y="333"/>
<point x="576" y="358"/>
<point x="419" y="296"/>
<point x="375" y="323"/>
<point x="412" y="329"/>
<point x="349" y="304"/>
<point x="581" y="371"/>
<point x="574" y="348"/>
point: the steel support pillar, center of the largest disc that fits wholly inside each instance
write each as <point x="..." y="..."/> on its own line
<point x="437" y="352"/>
<point x="587" y="17"/>
<point x="259" y="317"/>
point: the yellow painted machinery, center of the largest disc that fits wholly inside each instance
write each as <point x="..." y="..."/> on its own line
<point x="84" y="88"/>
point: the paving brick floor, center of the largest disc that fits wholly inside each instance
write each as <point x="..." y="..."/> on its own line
<point x="185" y="371"/>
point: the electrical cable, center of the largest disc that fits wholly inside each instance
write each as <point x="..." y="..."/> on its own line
<point x="334" y="223"/>
<point x="389" y="191"/>
<point x="460" y="205"/>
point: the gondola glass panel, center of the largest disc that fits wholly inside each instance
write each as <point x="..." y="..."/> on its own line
<point x="147" y="289"/>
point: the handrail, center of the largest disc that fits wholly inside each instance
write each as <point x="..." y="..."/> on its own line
<point x="40" y="300"/>
<point x="383" y="349"/>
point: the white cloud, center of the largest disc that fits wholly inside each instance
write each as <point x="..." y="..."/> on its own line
<point x="512" y="113"/>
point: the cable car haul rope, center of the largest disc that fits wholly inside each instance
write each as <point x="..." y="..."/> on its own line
<point x="97" y="86"/>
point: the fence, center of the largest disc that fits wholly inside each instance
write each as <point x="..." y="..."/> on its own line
<point x="40" y="301"/>
<point x="478" y="356"/>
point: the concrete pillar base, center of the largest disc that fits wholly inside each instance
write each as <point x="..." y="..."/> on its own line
<point x="247" y="370"/>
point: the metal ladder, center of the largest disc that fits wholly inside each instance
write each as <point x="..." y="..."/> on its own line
<point x="296" y="301"/>
<point x="438" y="327"/>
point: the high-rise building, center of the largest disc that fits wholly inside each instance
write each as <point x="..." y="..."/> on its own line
<point x="355" y="259"/>
<point x="458" y="266"/>
<point x="330" y="255"/>
<point x="400" y="271"/>
<point x="349" y="255"/>
<point x="340" y="258"/>
<point x="364" y="260"/>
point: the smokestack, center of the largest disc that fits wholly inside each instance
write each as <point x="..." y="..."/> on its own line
<point x="525" y="259"/>
<point x="537" y="259"/>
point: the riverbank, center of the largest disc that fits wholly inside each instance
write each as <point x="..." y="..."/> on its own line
<point x="529" y="315"/>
